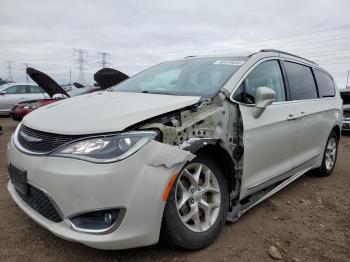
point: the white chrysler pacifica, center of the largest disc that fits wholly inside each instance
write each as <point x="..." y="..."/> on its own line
<point x="175" y="151"/>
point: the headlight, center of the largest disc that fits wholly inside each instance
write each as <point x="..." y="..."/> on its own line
<point x="106" y="149"/>
<point x="32" y="106"/>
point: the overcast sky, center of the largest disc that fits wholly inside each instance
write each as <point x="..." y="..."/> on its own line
<point x="138" y="34"/>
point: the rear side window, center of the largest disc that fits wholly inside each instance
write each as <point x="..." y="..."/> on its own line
<point x="325" y="84"/>
<point x="301" y="81"/>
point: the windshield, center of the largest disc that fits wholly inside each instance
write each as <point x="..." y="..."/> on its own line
<point x="189" y="77"/>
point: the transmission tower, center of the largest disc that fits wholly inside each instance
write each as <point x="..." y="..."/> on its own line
<point x="103" y="62"/>
<point x="9" y="70"/>
<point x="81" y="61"/>
<point x="26" y="65"/>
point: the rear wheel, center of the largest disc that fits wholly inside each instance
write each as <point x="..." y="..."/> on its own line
<point x="329" y="156"/>
<point x="197" y="206"/>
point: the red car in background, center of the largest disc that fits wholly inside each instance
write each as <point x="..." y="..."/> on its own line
<point x="105" y="78"/>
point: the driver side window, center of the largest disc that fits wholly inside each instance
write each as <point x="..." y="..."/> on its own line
<point x="266" y="74"/>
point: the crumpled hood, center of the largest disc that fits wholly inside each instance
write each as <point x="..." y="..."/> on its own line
<point x="103" y="112"/>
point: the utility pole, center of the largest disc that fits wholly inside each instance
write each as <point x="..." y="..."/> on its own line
<point x="9" y="70"/>
<point x="103" y="62"/>
<point x="347" y="81"/>
<point x="26" y="75"/>
<point x="81" y="61"/>
<point x="70" y="76"/>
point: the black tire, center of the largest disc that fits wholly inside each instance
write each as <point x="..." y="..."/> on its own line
<point x="175" y="233"/>
<point x="323" y="171"/>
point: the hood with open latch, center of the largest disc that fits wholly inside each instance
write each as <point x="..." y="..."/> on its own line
<point x="107" y="77"/>
<point x="50" y="86"/>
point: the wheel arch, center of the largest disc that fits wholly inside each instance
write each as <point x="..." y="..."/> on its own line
<point x="222" y="158"/>
<point x="337" y="131"/>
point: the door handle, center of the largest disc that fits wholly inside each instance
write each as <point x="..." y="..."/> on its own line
<point x="292" y="117"/>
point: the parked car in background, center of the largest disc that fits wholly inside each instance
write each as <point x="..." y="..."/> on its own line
<point x="74" y="86"/>
<point x="83" y="91"/>
<point x="53" y="90"/>
<point x="14" y="93"/>
<point x="56" y="92"/>
<point x="345" y="95"/>
<point x="175" y="151"/>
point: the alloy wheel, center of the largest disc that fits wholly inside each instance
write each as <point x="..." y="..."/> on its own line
<point x="331" y="153"/>
<point x="198" y="197"/>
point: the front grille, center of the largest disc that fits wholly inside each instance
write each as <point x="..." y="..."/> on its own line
<point x="42" y="142"/>
<point x="39" y="201"/>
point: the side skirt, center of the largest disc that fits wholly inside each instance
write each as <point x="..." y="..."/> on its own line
<point x="243" y="206"/>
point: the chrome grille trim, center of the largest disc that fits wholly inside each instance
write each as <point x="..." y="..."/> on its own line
<point x="39" y="142"/>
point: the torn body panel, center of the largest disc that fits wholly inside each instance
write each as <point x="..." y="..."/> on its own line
<point x="211" y="125"/>
<point x="168" y="155"/>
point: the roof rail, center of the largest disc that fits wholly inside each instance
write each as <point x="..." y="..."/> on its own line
<point x="286" y="53"/>
<point x="189" y="56"/>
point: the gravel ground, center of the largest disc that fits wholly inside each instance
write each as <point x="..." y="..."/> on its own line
<point x="307" y="221"/>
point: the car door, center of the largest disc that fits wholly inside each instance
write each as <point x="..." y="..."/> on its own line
<point x="14" y="94"/>
<point x="313" y="114"/>
<point x="269" y="139"/>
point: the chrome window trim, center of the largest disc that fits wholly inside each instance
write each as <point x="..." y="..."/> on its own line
<point x="282" y="102"/>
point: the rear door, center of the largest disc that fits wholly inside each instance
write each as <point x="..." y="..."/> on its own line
<point x="314" y="114"/>
<point x="269" y="140"/>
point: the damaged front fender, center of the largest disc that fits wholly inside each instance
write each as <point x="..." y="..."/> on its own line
<point x="168" y="155"/>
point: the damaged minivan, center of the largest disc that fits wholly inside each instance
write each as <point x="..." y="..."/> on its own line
<point x="175" y="151"/>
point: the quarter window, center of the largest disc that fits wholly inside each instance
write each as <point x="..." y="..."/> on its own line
<point x="301" y="81"/>
<point x="325" y="84"/>
<point x="266" y="74"/>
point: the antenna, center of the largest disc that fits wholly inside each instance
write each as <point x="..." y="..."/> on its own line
<point x="103" y="62"/>
<point x="81" y="61"/>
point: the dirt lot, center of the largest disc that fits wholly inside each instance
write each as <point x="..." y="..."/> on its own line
<point x="308" y="221"/>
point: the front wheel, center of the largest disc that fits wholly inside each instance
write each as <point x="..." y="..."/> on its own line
<point x="329" y="156"/>
<point x="197" y="206"/>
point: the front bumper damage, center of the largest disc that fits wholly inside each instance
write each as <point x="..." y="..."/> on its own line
<point x="136" y="184"/>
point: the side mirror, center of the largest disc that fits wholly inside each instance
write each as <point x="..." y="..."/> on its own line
<point x="264" y="97"/>
<point x="3" y="92"/>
